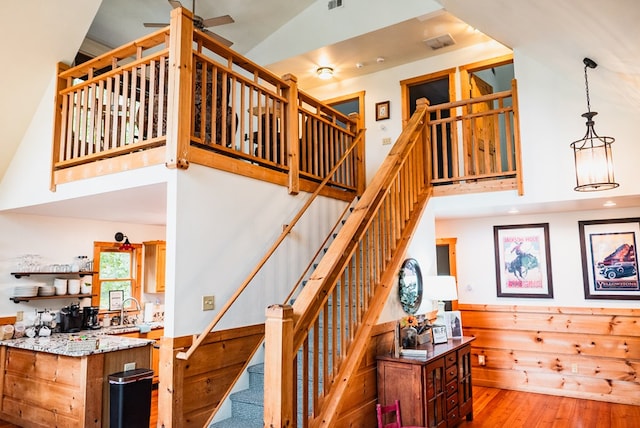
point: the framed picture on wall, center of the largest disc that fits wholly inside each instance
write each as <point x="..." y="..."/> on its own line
<point x="382" y="110"/>
<point x="523" y="262"/>
<point x="609" y="264"/>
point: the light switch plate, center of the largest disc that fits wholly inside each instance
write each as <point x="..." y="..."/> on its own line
<point x="129" y="366"/>
<point x="208" y="303"/>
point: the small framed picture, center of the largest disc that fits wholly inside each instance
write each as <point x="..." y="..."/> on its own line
<point x="454" y="324"/>
<point x="439" y="334"/>
<point x="382" y="110"/>
<point x="115" y="300"/>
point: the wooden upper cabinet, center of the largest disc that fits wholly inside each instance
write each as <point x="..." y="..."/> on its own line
<point x="154" y="266"/>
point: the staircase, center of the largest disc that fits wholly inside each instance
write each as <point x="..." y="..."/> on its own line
<point x="247" y="405"/>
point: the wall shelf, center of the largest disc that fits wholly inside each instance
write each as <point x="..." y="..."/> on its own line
<point x="63" y="296"/>
<point x="81" y="273"/>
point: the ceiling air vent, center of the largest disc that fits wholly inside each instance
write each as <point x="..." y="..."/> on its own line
<point x="440" y="42"/>
<point x="334" y="3"/>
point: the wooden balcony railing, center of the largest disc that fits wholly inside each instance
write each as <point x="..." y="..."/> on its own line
<point x="178" y="96"/>
<point x="476" y="144"/>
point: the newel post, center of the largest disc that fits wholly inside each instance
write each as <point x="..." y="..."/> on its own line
<point x="292" y="134"/>
<point x="179" y="100"/>
<point x="278" y="367"/>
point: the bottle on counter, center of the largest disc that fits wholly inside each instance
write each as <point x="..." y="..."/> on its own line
<point x="106" y="320"/>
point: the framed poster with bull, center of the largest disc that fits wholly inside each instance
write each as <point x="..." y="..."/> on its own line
<point x="609" y="264"/>
<point x="523" y="262"/>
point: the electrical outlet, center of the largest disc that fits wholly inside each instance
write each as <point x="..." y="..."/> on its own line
<point x="481" y="360"/>
<point x="129" y="366"/>
<point x="574" y="368"/>
<point x="19" y="316"/>
<point x="207" y="303"/>
<point x="386" y="141"/>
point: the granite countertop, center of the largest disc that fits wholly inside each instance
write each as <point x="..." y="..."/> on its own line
<point x="58" y="343"/>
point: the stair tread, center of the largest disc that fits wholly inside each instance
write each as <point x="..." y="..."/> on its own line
<point x="237" y="423"/>
<point x="250" y="396"/>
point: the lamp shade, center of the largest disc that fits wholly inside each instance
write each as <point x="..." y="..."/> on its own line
<point x="441" y="288"/>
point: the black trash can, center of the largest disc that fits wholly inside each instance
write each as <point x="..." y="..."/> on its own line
<point x="130" y="398"/>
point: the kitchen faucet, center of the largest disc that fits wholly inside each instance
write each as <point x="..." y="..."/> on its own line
<point x="133" y="299"/>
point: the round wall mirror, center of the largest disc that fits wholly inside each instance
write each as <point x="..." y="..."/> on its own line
<point x="410" y="286"/>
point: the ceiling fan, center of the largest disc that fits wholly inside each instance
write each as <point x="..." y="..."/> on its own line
<point x="199" y="23"/>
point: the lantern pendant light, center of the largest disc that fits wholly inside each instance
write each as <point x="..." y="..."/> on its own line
<point x="592" y="153"/>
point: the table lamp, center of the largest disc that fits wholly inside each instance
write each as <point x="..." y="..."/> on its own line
<point x="441" y="288"/>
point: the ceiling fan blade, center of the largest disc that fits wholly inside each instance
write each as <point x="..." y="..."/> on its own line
<point x="175" y="4"/>
<point x="218" y="37"/>
<point x="155" y="24"/>
<point x="218" y="20"/>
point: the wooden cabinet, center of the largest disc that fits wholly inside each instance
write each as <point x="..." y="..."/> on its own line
<point x="154" y="334"/>
<point x="434" y="390"/>
<point x="154" y="266"/>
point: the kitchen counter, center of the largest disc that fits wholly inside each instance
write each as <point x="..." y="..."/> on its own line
<point x="43" y="384"/>
<point x="58" y="343"/>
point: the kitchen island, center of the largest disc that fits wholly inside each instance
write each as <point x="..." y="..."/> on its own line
<point x="54" y="381"/>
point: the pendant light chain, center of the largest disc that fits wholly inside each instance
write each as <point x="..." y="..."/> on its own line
<point x="586" y="86"/>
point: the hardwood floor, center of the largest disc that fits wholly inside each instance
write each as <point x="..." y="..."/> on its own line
<point x="512" y="409"/>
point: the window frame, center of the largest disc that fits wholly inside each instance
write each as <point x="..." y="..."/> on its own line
<point x="136" y="271"/>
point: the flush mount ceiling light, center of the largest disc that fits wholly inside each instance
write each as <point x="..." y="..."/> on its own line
<point x="325" y="73"/>
<point x="592" y="153"/>
<point x="126" y="245"/>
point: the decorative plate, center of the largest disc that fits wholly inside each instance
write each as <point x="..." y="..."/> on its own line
<point x="410" y="286"/>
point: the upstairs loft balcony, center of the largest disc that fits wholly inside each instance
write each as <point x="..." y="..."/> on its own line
<point x="177" y="97"/>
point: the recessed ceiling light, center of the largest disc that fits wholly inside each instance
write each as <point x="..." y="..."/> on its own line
<point x="609" y="204"/>
<point x="513" y="211"/>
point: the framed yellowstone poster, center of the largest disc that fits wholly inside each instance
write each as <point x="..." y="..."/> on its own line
<point x="523" y="263"/>
<point x="609" y="264"/>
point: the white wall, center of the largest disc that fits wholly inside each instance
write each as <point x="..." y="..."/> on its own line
<point x="57" y="240"/>
<point x="476" y="259"/>
<point x="219" y="225"/>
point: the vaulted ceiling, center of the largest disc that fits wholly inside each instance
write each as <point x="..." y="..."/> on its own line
<point x="36" y="34"/>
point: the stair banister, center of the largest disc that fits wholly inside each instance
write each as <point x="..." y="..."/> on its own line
<point x="409" y="152"/>
<point x="198" y="339"/>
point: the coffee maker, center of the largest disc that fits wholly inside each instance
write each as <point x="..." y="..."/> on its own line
<point x="90" y="318"/>
<point x="70" y="319"/>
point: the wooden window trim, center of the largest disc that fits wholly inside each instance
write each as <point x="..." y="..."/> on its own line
<point x="136" y="280"/>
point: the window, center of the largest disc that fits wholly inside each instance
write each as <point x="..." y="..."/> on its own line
<point x="117" y="270"/>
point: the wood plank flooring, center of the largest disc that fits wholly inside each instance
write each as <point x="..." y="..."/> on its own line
<point x="502" y="408"/>
<point x="512" y="409"/>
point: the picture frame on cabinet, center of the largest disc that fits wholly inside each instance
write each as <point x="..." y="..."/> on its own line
<point x="453" y="322"/>
<point x="523" y="261"/>
<point x="115" y="300"/>
<point x="439" y="333"/>
<point x="609" y="263"/>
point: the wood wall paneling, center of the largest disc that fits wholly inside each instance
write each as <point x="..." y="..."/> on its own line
<point x="590" y="353"/>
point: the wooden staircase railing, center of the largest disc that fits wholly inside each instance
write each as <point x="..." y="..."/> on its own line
<point x="323" y="335"/>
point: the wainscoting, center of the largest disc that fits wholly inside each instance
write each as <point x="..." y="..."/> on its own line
<point x="589" y="353"/>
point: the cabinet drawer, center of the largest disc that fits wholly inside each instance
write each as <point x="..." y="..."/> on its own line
<point x="452" y="403"/>
<point x="452" y="387"/>
<point x="451" y="360"/>
<point x="453" y="417"/>
<point x="451" y="373"/>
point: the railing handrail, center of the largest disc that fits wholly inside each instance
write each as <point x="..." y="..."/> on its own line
<point x="200" y="338"/>
<point x="125" y="51"/>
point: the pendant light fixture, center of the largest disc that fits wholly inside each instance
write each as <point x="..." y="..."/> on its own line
<point x="592" y="153"/>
